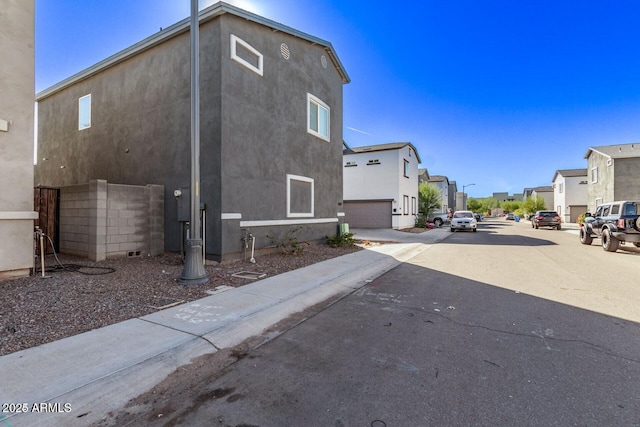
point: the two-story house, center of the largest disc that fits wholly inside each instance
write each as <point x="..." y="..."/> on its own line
<point x="613" y="173"/>
<point x="270" y="128"/>
<point x="570" y="193"/>
<point x="442" y="183"/>
<point x="381" y="185"/>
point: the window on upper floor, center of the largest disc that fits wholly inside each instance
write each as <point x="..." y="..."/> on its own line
<point x="560" y="187"/>
<point x="318" y="122"/>
<point x="406" y="168"/>
<point x="594" y="175"/>
<point x="84" y="112"/>
<point x="245" y="54"/>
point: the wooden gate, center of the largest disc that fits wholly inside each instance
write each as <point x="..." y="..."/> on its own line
<point x="46" y="202"/>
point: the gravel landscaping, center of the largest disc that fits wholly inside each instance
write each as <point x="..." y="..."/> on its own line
<point x="87" y="295"/>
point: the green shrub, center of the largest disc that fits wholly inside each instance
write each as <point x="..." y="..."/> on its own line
<point x="341" y="240"/>
<point x="289" y="244"/>
<point x="421" y="221"/>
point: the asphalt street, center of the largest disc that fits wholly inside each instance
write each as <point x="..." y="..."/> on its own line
<point x="488" y="328"/>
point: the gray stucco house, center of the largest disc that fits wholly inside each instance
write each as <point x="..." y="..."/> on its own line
<point x="614" y="173"/>
<point x="271" y="128"/>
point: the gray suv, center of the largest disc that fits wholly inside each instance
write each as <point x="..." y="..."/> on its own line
<point x="546" y="219"/>
<point x="614" y="223"/>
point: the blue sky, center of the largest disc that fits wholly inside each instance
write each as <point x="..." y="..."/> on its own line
<point x="500" y="94"/>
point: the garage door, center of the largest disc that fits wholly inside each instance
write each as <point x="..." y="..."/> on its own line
<point x="368" y="214"/>
<point x="575" y="211"/>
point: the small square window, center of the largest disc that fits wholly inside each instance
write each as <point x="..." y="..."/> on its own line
<point x="300" y="196"/>
<point x="318" y="120"/>
<point x="84" y="112"/>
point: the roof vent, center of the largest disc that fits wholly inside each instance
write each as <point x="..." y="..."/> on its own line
<point x="284" y="50"/>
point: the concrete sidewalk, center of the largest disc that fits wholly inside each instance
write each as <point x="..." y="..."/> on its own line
<point x="77" y="380"/>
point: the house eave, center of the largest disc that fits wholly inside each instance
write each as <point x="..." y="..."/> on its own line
<point x="183" y="26"/>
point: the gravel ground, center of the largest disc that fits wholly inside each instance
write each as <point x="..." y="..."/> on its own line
<point x="36" y="310"/>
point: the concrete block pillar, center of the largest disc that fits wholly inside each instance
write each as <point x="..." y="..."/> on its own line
<point x="97" y="239"/>
<point x="156" y="219"/>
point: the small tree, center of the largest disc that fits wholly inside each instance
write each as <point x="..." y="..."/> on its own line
<point x="474" y="205"/>
<point x="511" y="205"/>
<point x="429" y="198"/>
<point x="533" y="204"/>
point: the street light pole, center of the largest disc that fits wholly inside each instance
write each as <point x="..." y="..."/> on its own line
<point x="194" y="272"/>
<point x="464" y="196"/>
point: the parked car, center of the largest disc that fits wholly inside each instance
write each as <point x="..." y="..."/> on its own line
<point x="439" y="218"/>
<point x="614" y="223"/>
<point x="478" y="217"/>
<point x="510" y="217"/>
<point x="464" y="220"/>
<point x="546" y="219"/>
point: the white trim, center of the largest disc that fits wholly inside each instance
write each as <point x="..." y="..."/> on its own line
<point x="19" y="215"/>
<point x="341" y="214"/>
<point x="267" y="223"/>
<point x="237" y="40"/>
<point x="591" y="175"/>
<point x="231" y="216"/>
<point x="319" y="103"/>
<point x="299" y="214"/>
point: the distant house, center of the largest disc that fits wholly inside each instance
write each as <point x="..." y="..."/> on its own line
<point x="423" y="175"/>
<point x="453" y="190"/>
<point x="17" y="76"/>
<point x="271" y="100"/>
<point x="613" y="173"/>
<point x="570" y="193"/>
<point x="442" y="183"/>
<point x="381" y="185"/>
<point x="546" y="192"/>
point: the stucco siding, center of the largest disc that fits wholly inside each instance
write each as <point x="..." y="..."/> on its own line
<point x="253" y="131"/>
<point x="16" y="142"/>
<point x="627" y="179"/>
<point x="601" y="191"/>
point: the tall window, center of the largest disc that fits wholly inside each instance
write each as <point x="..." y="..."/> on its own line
<point x="406" y="168"/>
<point x="84" y="112"/>
<point x="318" y="118"/>
<point x="405" y="205"/>
<point x="594" y="175"/>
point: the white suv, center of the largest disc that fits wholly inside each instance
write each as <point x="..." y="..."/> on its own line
<point x="464" y="220"/>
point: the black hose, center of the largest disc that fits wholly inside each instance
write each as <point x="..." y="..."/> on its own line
<point x="77" y="268"/>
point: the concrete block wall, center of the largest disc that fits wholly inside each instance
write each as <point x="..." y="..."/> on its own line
<point x="101" y="220"/>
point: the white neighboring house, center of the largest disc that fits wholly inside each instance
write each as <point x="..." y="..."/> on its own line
<point x="546" y="192"/>
<point x="570" y="193"/>
<point x="380" y="184"/>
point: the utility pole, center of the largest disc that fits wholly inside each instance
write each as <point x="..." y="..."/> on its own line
<point x="194" y="272"/>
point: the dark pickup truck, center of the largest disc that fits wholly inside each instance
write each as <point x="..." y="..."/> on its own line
<point x="614" y="223"/>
